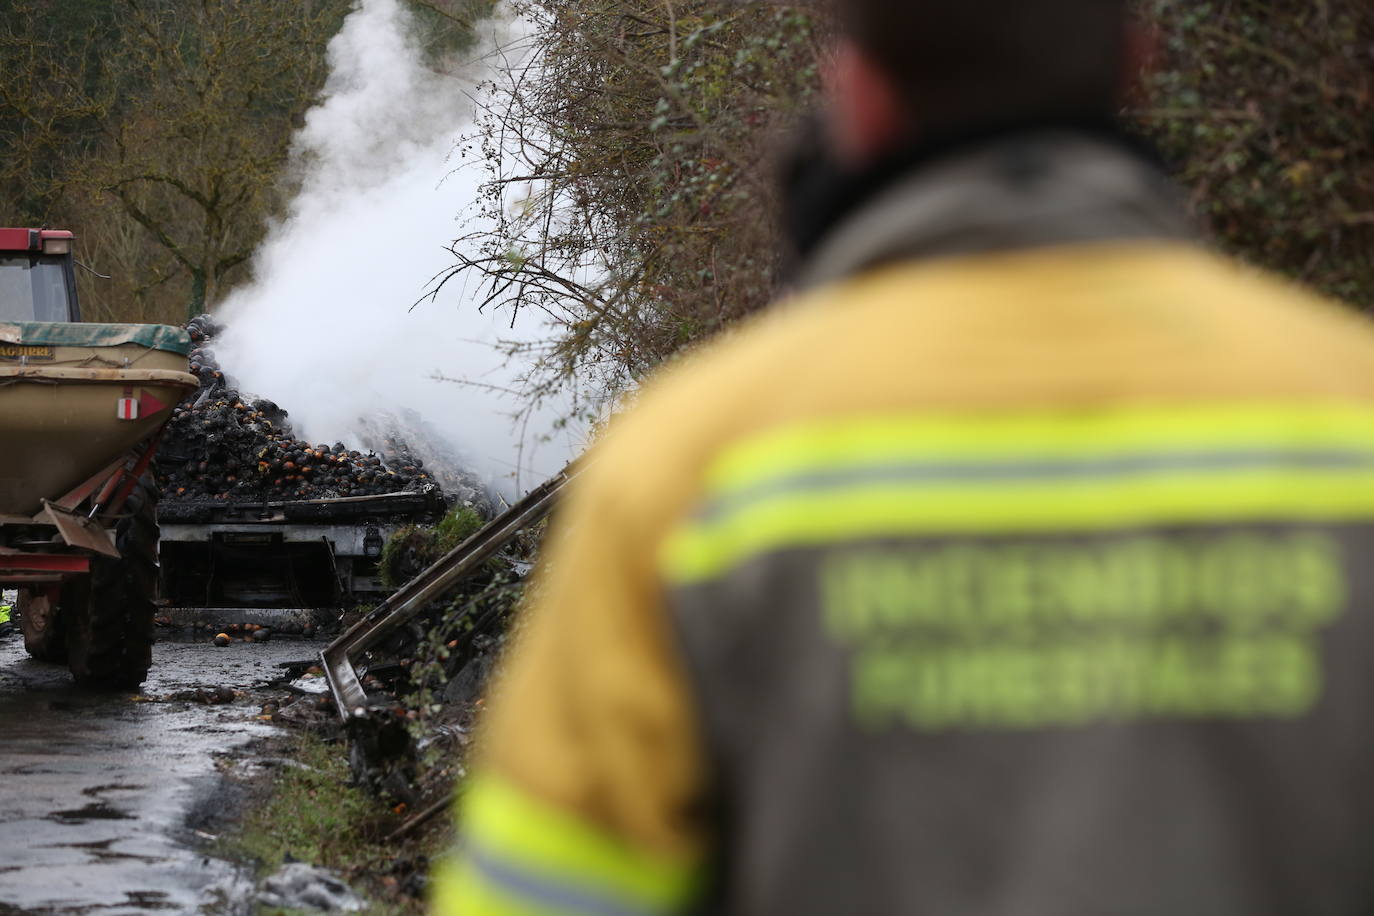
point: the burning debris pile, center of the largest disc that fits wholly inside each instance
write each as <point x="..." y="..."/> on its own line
<point x="405" y="431"/>
<point x="223" y="444"/>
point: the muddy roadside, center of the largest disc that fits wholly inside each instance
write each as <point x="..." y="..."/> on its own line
<point x="298" y="817"/>
<point x="294" y="803"/>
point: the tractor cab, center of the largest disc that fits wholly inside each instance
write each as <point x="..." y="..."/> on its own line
<point x="37" y="282"/>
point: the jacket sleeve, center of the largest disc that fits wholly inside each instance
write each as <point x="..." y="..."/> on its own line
<point x="587" y="794"/>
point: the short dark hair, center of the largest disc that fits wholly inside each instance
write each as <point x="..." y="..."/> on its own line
<point x="963" y="62"/>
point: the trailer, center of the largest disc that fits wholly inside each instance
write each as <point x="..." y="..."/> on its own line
<point x="82" y="409"/>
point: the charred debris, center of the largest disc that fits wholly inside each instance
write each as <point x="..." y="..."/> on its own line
<point x="422" y="677"/>
<point x="225" y="445"/>
<point x="393" y="745"/>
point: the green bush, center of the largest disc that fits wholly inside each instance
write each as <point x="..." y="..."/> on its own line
<point x="1266" y="112"/>
<point x="413" y="548"/>
<point x="456" y="527"/>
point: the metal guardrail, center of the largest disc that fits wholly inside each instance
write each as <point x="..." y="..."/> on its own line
<point x="339" y="657"/>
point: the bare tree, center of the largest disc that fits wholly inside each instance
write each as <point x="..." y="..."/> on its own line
<point x="49" y="100"/>
<point x="193" y="150"/>
<point x="632" y="191"/>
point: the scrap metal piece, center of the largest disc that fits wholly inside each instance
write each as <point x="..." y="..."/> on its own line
<point x="392" y="614"/>
<point x="78" y="494"/>
<point x="47" y="566"/>
<point x="78" y="530"/>
<point x="422" y="817"/>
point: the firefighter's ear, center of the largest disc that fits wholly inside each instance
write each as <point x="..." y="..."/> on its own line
<point x="866" y="116"/>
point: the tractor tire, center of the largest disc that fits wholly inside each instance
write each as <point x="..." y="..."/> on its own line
<point x="40" y="619"/>
<point x="110" y="633"/>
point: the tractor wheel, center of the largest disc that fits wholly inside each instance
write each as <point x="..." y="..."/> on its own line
<point x="110" y="635"/>
<point x="40" y="619"/>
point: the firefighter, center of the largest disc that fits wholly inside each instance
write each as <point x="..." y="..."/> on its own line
<point x="1015" y="565"/>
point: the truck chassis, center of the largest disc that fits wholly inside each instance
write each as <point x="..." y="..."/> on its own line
<point x="228" y="559"/>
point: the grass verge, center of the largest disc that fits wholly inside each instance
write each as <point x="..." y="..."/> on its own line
<point x="310" y="813"/>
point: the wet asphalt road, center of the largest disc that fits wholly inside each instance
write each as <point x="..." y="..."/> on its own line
<point x="103" y="796"/>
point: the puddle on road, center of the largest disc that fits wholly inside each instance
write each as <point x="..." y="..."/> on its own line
<point x="97" y="845"/>
<point x="92" y="791"/>
<point x="95" y="811"/>
<point x="149" y="900"/>
<point x="100" y="849"/>
<point x="119" y="776"/>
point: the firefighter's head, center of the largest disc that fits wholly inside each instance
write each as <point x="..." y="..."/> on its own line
<point x="909" y="67"/>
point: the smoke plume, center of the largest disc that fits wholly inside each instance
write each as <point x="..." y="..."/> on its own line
<point x="326" y="328"/>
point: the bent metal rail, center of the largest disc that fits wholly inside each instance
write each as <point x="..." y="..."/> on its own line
<point x="338" y="658"/>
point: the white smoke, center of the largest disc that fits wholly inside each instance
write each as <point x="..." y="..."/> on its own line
<point x="326" y="328"/>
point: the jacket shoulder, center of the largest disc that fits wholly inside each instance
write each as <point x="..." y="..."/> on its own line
<point x="1086" y="324"/>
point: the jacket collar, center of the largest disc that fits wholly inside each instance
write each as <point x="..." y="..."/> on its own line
<point x="1022" y="190"/>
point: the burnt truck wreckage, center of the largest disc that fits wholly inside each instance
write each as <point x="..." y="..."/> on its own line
<point x="256" y="521"/>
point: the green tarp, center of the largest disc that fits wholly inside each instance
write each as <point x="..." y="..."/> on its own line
<point x="54" y="334"/>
